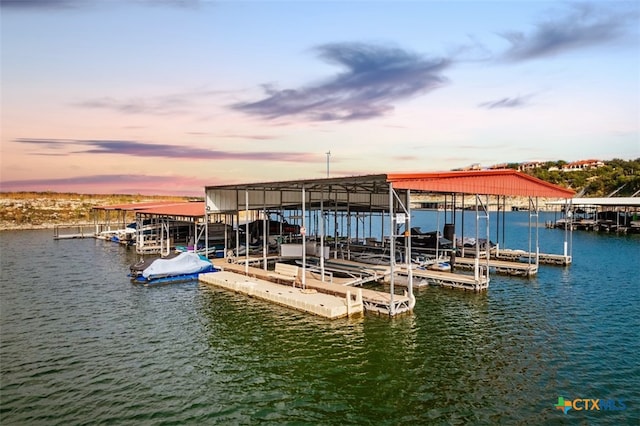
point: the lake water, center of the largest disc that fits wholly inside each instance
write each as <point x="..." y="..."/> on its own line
<point x="81" y="345"/>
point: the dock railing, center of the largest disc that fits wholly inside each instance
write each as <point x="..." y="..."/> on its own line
<point x="69" y="231"/>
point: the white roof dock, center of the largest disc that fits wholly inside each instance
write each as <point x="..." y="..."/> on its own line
<point x="601" y="201"/>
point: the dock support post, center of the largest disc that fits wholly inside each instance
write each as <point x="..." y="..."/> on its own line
<point x="246" y="233"/>
<point x="322" y="233"/>
<point x="392" y="250"/>
<point x="303" y="231"/>
<point x="408" y="258"/>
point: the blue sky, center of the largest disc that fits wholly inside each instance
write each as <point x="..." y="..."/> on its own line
<point x="169" y="96"/>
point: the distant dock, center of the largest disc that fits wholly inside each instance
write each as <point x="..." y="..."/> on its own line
<point x="68" y="232"/>
<point x="501" y="266"/>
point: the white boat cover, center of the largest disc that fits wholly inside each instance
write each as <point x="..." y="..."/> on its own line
<point x="184" y="263"/>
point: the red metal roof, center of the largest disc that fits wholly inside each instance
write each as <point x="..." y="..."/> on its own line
<point x="487" y="182"/>
<point x="188" y="209"/>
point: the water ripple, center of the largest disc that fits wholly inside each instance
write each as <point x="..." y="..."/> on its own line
<point x="81" y="345"/>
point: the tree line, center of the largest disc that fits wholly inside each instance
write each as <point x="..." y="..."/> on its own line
<point x="617" y="177"/>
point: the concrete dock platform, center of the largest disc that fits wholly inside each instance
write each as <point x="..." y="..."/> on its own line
<point x="307" y="300"/>
<point x="373" y="300"/>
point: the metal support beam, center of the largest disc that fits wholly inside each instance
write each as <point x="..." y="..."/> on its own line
<point x="303" y="231"/>
<point x="392" y="250"/>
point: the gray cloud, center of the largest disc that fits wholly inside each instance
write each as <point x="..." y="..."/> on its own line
<point x="155" y="106"/>
<point x="170" y="104"/>
<point x="375" y="77"/>
<point x="582" y="26"/>
<point x="515" y="102"/>
<point x="140" y="149"/>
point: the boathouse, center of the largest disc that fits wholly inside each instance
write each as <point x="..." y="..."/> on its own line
<point x="158" y="227"/>
<point x="604" y="214"/>
<point x="321" y="208"/>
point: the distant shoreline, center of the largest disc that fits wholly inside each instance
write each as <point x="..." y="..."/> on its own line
<point x="46" y="210"/>
<point x="18" y="210"/>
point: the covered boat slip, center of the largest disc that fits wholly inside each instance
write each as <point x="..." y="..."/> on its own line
<point x="323" y="208"/>
<point x="162" y="226"/>
<point x="317" y="206"/>
<point x="604" y="214"/>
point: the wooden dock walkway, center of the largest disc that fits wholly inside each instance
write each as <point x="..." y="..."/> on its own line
<point x="447" y="279"/>
<point x="422" y="276"/>
<point x="69" y="232"/>
<point x="523" y="256"/>
<point x="72" y="236"/>
<point x="500" y="266"/>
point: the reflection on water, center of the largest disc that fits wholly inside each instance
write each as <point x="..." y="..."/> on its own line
<point x="81" y="344"/>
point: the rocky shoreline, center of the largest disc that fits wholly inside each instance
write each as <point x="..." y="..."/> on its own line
<point x="36" y="210"/>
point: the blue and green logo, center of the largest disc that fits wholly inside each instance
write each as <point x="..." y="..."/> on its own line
<point x="590" y="404"/>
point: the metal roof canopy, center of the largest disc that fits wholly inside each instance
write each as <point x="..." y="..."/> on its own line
<point x="505" y="182"/>
<point x="372" y="190"/>
<point x="187" y="209"/>
<point x="358" y="192"/>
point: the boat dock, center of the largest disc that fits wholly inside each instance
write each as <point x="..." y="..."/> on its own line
<point x="505" y="267"/>
<point x="420" y="276"/>
<point x="602" y="214"/>
<point x="306" y="300"/>
<point x="68" y="232"/>
<point x="318" y="268"/>
<point x="423" y="277"/>
<point x="372" y="300"/>
<point x="512" y="255"/>
<point x="523" y="256"/>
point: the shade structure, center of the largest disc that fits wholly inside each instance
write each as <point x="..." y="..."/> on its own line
<point x="186" y="209"/>
<point x="505" y="182"/>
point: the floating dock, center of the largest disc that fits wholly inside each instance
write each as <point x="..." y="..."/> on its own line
<point x="68" y="232"/>
<point x="504" y="267"/>
<point x="420" y="276"/>
<point x="306" y="300"/>
<point x="372" y="300"/>
<point x="521" y="255"/>
<point x="423" y="277"/>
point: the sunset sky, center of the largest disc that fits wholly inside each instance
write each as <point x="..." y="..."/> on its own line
<point x="167" y="96"/>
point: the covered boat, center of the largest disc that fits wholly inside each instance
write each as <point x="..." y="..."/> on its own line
<point x="429" y="242"/>
<point x="183" y="267"/>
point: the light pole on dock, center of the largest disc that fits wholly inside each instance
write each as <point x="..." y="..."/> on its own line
<point x="328" y="155"/>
